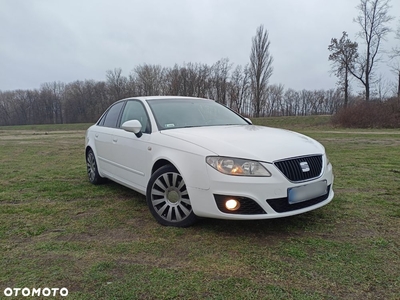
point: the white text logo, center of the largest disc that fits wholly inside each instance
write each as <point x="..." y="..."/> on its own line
<point x="27" y="292"/>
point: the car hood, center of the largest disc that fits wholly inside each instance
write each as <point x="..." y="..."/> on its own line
<point x="249" y="141"/>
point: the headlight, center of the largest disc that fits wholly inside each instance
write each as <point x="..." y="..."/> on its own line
<point x="237" y="166"/>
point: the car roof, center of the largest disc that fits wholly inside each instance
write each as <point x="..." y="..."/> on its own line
<point x="144" y="98"/>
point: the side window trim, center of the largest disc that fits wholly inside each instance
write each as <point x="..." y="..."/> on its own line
<point x="100" y="122"/>
<point x="118" y="125"/>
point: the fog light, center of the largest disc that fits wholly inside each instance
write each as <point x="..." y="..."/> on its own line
<point x="232" y="204"/>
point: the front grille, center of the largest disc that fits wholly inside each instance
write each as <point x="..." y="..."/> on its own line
<point x="281" y="205"/>
<point x="292" y="168"/>
<point x="247" y="206"/>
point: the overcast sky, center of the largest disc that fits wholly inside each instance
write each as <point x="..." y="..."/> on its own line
<point x="53" y="40"/>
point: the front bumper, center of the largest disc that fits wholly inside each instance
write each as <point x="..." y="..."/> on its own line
<point x="264" y="197"/>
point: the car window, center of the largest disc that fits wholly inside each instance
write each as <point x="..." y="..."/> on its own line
<point x="180" y="113"/>
<point x="111" y="118"/>
<point x="134" y="110"/>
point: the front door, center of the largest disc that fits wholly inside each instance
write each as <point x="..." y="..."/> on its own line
<point x="131" y="153"/>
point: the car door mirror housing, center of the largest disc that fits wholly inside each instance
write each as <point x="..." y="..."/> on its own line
<point x="133" y="126"/>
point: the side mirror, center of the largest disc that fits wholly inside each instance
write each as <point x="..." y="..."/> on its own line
<point x="133" y="126"/>
<point x="248" y="120"/>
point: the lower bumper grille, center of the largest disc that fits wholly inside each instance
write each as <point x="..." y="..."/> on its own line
<point x="281" y="205"/>
<point x="247" y="206"/>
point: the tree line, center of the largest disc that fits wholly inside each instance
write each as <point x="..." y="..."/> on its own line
<point x="84" y="101"/>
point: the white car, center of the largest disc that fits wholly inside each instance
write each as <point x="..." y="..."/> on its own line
<point x="195" y="158"/>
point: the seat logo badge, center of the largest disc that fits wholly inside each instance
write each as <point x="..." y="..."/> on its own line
<point x="304" y="166"/>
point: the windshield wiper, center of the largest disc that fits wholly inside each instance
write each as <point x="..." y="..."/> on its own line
<point x="190" y="126"/>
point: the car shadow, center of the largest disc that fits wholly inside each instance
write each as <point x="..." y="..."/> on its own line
<point x="313" y="221"/>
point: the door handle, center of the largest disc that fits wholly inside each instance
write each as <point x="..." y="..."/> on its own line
<point x="96" y="136"/>
<point x="115" y="140"/>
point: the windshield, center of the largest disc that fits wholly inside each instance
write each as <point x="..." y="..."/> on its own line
<point x="182" y="113"/>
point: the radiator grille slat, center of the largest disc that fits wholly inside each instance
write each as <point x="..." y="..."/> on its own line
<point x="293" y="170"/>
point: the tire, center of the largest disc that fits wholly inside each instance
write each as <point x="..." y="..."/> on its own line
<point x="92" y="169"/>
<point x="168" y="198"/>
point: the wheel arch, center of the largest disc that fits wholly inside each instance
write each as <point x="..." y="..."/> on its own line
<point x="87" y="149"/>
<point x="161" y="162"/>
<point x="90" y="148"/>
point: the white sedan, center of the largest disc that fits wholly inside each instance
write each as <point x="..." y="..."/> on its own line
<point x="195" y="158"/>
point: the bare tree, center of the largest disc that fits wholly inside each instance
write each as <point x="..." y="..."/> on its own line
<point x="203" y="83"/>
<point x="289" y="102"/>
<point x="190" y="75"/>
<point x="396" y="50"/>
<point x="373" y="19"/>
<point x="382" y="89"/>
<point x="131" y="86"/>
<point x="220" y="74"/>
<point x="395" y="61"/>
<point x="318" y="102"/>
<point x="192" y="79"/>
<point x="53" y="96"/>
<point x="173" y="82"/>
<point x="274" y="99"/>
<point x="117" y="84"/>
<point x="239" y="88"/>
<point x="306" y="101"/>
<point x="333" y="101"/>
<point x="84" y="101"/>
<point x="36" y="107"/>
<point x="343" y="56"/>
<point x="149" y="79"/>
<point x="5" y="109"/>
<point x="260" y="67"/>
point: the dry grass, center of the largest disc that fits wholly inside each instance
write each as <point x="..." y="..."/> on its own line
<point x="101" y="241"/>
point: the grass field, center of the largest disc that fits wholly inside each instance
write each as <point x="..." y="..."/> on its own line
<point x="100" y="242"/>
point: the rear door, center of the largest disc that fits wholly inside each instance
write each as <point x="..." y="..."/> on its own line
<point x="104" y="138"/>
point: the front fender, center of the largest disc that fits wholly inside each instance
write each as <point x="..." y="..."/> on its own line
<point x="191" y="166"/>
